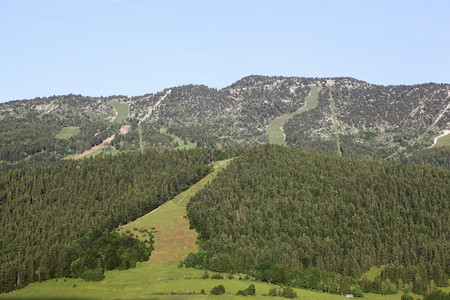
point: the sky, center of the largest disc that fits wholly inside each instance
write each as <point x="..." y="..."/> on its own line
<point x="135" y="47"/>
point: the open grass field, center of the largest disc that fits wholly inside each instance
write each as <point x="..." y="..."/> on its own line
<point x="181" y="143"/>
<point x="67" y="132"/>
<point x="275" y="128"/>
<point x="373" y="272"/>
<point x="121" y="109"/>
<point x="443" y="140"/>
<point x="160" y="277"/>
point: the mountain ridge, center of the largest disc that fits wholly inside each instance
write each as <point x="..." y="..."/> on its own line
<point x="371" y="120"/>
<point x="115" y="96"/>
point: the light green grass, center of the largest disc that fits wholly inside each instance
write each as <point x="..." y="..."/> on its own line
<point x="67" y="132"/>
<point x="121" y="109"/>
<point x="275" y="128"/>
<point x="443" y="141"/>
<point x="373" y="272"/>
<point x="180" y="142"/>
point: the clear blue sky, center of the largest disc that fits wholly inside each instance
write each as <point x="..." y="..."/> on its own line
<point x="133" y="47"/>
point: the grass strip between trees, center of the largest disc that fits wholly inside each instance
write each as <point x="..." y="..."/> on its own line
<point x="275" y="129"/>
<point x="121" y="109"/>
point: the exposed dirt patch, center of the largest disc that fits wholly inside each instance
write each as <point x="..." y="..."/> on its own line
<point x="95" y="148"/>
<point x="123" y="130"/>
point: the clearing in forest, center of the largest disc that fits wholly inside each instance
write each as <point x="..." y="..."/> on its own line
<point x="442" y="140"/>
<point x="373" y="272"/>
<point x="121" y="110"/>
<point x="275" y="129"/>
<point x="67" y="132"/>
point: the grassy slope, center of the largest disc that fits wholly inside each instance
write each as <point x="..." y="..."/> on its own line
<point x="275" y="128"/>
<point x="443" y="141"/>
<point x="122" y="111"/>
<point x="68" y="132"/>
<point x="160" y="276"/>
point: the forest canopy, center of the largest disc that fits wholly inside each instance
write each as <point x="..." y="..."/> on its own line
<point x="297" y="210"/>
<point x="55" y="218"/>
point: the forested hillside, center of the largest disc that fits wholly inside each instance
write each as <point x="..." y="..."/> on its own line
<point x="352" y="118"/>
<point x="29" y="135"/>
<point x="280" y="212"/>
<point x="372" y="120"/>
<point x="436" y="156"/>
<point x="56" y="219"/>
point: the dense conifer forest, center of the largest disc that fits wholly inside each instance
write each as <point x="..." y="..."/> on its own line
<point x="57" y="219"/>
<point x="436" y="156"/>
<point x="307" y="219"/>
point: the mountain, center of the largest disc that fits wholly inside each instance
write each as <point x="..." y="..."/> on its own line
<point x="279" y="214"/>
<point x="351" y="118"/>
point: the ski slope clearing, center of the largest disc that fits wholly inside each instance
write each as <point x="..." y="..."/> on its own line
<point x="275" y="129"/>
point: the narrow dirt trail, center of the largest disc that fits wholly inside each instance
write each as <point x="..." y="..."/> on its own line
<point x="123" y="130"/>
<point x="444" y="110"/>
<point x="152" y="108"/>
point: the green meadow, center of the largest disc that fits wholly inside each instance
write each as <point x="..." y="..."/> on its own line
<point x="67" y="132"/>
<point x="275" y="128"/>
<point x="373" y="272"/>
<point x="121" y="109"/>
<point x="443" y="141"/>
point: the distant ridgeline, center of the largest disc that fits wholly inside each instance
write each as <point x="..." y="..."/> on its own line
<point x="57" y="220"/>
<point x="353" y="118"/>
<point x="311" y="220"/>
